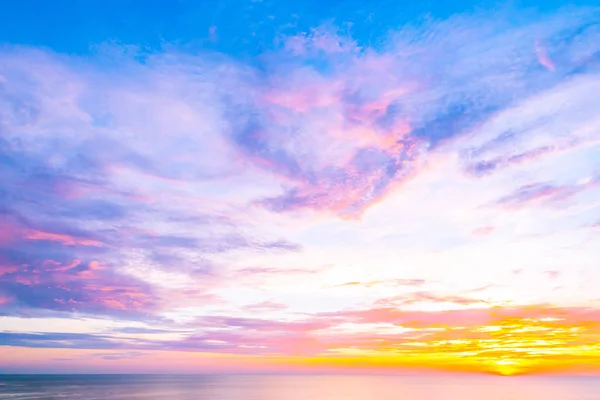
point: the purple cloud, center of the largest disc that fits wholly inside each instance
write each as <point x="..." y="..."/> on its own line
<point x="543" y="193"/>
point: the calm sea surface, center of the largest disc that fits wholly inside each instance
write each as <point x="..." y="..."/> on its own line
<point x="109" y="387"/>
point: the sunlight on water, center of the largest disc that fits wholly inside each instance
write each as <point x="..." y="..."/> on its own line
<point x="297" y="388"/>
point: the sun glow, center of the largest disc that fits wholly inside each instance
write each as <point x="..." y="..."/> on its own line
<point x="508" y="367"/>
<point x="507" y="346"/>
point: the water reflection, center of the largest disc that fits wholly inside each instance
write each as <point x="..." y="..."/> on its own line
<point x="262" y="387"/>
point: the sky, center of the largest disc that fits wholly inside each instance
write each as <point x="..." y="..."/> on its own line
<point x="258" y="186"/>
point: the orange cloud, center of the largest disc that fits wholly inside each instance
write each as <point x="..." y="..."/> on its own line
<point x="498" y="340"/>
<point x="426" y="297"/>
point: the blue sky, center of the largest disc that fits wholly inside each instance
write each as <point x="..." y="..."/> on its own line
<point x="243" y="27"/>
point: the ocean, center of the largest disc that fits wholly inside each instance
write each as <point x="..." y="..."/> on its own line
<point x="283" y="387"/>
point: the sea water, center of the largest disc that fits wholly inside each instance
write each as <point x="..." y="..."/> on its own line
<point x="286" y="387"/>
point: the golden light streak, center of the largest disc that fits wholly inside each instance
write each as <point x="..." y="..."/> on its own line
<point x="507" y="346"/>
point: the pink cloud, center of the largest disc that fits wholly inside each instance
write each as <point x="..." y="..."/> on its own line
<point x="61" y="238"/>
<point x="544" y="194"/>
<point x="466" y="317"/>
<point x="542" y="54"/>
<point x="305" y="97"/>
<point x="5" y="300"/>
<point x="8" y="268"/>
<point x="55" y="266"/>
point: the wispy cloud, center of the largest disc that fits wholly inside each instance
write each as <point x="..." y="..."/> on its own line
<point x="193" y="193"/>
<point x="389" y="282"/>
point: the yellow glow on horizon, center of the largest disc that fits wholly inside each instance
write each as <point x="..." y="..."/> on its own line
<point x="509" y="346"/>
<point x="530" y="343"/>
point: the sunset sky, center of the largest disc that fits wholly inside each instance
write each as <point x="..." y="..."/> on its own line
<point x="315" y="186"/>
